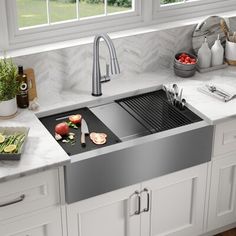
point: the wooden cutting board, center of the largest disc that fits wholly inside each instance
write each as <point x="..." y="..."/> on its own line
<point x="32" y="92"/>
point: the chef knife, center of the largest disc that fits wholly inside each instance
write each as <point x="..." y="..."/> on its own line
<point x="84" y="130"/>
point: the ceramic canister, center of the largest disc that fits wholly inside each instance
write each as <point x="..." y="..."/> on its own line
<point x="230" y="52"/>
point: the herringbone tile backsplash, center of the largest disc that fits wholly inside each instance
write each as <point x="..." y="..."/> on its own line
<point x="71" y="68"/>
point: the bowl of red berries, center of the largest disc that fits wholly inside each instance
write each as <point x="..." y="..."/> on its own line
<point x="185" y="64"/>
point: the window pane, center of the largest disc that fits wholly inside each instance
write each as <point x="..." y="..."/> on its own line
<point x="170" y="1"/>
<point x="61" y="10"/>
<point x="119" y="5"/>
<point x="91" y="8"/>
<point x="31" y="12"/>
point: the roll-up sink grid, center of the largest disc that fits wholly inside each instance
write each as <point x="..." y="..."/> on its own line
<point x="154" y="112"/>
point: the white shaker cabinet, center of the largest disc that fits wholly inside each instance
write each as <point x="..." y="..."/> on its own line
<point x="222" y="201"/>
<point x="176" y="203"/>
<point x="30" y="206"/>
<point x="168" y="205"/>
<point x="108" y="214"/>
<point x="222" y="204"/>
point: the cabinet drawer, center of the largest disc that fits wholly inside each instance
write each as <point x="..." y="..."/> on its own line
<point x="28" y="193"/>
<point x="225" y="137"/>
<point x="45" y="222"/>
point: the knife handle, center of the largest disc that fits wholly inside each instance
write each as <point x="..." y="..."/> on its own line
<point x="82" y="140"/>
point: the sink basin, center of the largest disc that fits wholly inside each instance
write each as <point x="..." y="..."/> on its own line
<point x="143" y="114"/>
<point x="124" y="125"/>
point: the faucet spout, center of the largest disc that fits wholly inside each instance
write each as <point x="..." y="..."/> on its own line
<point x="115" y="69"/>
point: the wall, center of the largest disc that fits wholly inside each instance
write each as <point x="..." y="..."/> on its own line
<point x="71" y="68"/>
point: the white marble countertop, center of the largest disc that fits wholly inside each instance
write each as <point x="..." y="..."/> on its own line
<point x="43" y="152"/>
<point x="212" y="109"/>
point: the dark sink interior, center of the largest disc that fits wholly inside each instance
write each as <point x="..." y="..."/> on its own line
<point x="143" y="114"/>
<point x="124" y="119"/>
<point x="156" y="113"/>
<point x="94" y="125"/>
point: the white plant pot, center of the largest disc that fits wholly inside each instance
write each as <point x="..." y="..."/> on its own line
<point x="8" y="108"/>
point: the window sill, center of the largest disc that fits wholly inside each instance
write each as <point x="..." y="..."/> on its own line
<point x="113" y="35"/>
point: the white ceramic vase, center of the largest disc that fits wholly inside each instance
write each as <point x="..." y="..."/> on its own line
<point x="204" y="55"/>
<point x="8" y="108"/>
<point x="217" y="53"/>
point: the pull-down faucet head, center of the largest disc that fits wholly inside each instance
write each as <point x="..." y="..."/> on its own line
<point x="97" y="79"/>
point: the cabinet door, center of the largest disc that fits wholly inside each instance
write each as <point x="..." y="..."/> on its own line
<point x="222" y="206"/>
<point x="108" y="214"/>
<point x="42" y="223"/>
<point x="176" y="203"/>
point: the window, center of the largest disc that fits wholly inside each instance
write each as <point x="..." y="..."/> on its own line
<point x="25" y="23"/>
<point x="173" y="10"/>
<point x="46" y="12"/>
<point x="34" y="22"/>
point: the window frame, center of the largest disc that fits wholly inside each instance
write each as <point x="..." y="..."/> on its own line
<point x="66" y="30"/>
<point x="4" y="40"/>
<point x="189" y="9"/>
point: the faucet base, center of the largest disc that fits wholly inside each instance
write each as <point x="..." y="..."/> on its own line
<point x="96" y="95"/>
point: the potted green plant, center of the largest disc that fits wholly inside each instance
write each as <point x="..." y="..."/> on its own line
<point x="8" y="87"/>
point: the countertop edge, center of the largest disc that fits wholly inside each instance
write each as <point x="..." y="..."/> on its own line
<point x="33" y="171"/>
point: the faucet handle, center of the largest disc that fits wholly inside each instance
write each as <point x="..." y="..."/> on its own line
<point x="106" y="78"/>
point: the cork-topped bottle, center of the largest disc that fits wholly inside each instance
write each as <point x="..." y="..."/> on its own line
<point x="22" y="97"/>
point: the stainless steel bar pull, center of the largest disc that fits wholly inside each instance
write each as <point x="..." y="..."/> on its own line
<point x="147" y="208"/>
<point x="19" y="199"/>
<point x="139" y="203"/>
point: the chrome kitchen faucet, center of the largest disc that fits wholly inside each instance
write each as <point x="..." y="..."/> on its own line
<point x="97" y="79"/>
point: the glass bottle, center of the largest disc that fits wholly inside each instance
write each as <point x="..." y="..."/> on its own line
<point x="22" y="97"/>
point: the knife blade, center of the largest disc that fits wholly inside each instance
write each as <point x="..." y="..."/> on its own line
<point x="84" y="130"/>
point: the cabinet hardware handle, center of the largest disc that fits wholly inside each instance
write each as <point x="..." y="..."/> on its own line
<point x="139" y="203"/>
<point x="19" y="199"/>
<point x="148" y="200"/>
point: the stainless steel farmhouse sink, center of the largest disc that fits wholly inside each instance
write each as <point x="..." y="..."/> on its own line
<point x="150" y="138"/>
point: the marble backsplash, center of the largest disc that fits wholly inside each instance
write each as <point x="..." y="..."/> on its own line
<point x="71" y="68"/>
